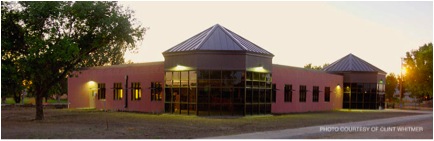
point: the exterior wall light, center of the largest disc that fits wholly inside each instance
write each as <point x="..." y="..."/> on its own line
<point x="91" y="83"/>
<point x="180" y="68"/>
<point x="260" y="68"/>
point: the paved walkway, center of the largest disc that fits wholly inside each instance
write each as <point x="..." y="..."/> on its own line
<point x="316" y="130"/>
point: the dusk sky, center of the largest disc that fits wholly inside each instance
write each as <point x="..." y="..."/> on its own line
<point x="297" y="33"/>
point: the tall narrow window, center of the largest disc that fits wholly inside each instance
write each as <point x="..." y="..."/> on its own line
<point x="302" y="92"/>
<point x="315" y="94"/>
<point x="288" y="93"/>
<point x="136" y="91"/>
<point x="327" y="94"/>
<point x="156" y="91"/>
<point x="117" y="91"/>
<point x="101" y="91"/>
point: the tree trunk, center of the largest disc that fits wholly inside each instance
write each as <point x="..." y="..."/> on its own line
<point x="39" y="106"/>
<point x="17" y="98"/>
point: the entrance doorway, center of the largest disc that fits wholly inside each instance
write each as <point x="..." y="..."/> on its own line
<point x="92" y="98"/>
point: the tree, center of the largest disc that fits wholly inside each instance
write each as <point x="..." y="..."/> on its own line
<point x="418" y="76"/>
<point x="11" y="75"/>
<point x="310" y="66"/>
<point x="391" y="84"/>
<point x="50" y="41"/>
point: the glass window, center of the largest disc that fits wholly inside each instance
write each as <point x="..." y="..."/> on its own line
<point x="268" y="78"/>
<point x="215" y="75"/>
<point x="176" y="79"/>
<point x="176" y="97"/>
<point x="203" y="83"/>
<point x="193" y="78"/>
<point x="136" y="91"/>
<point x="156" y="91"/>
<point x="249" y="95"/>
<point x="315" y="94"/>
<point x="203" y="95"/>
<point x="215" y="95"/>
<point x="184" y="79"/>
<point x="101" y="91"/>
<point x="262" y="96"/>
<point x="262" y="77"/>
<point x="184" y="95"/>
<point x="217" y="92"/>
<point x="168" y="92"/>
<point x="168" y="79"/>
<point x="117" y="91"/>
<point x="327" y="94"/>
<point x="227" y="75"/>
<point x="238" y="95"/>
<point x="192" y="95"/>
<point x="255" y="96"/>
<point x="203" y="74"/>
<point x="302" y="92"/>
<point x="256" y="76"/>
<point x="288" y="93"/>
<point x="249" y="75"/>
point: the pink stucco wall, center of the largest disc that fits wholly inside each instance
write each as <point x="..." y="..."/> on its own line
<point x="297" y="76"/>
<point x="80" y="90"/>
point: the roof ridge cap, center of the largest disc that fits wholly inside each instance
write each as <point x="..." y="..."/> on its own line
<point x="206" y="37"/>
<point x="351" y="62"/>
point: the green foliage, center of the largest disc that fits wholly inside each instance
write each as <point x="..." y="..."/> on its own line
<point x="418" y="77"/>
<point x="46" y="42"/>
<point x="12" y="47"/>
<point x="391" y="84"/>
<point x="310" y="66"/>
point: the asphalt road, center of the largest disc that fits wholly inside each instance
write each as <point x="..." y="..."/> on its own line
<point x="421" y="129"/>
<point x="418" y="126"/>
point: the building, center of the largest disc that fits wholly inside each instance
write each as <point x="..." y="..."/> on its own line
<point x="216" y="72"/>
<point x="364" y="83"/>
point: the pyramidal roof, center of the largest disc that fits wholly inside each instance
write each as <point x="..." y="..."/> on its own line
<point x="352" y="63"/>
<point x="217" y="38"/>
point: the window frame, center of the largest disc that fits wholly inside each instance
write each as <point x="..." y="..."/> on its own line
<point x="302" y="93"/>
<point x="101" y="91"/>
<point x="136" y="91"/>
<point x="117" y="91"/>
<point x="287" y="93"/>
<point x="315" y="94"/>
<point x="156" y="91"/>
<point x="327" y="94"/>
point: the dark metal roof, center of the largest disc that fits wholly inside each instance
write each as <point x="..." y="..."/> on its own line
<point x="217" y="38"/>
<point x="352" y="63"/>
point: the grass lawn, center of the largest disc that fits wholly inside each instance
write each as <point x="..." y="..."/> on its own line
<point x="17" y="123"/>
<point x="31" y="100"/>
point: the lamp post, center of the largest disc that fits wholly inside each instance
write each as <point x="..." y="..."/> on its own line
<point x="401" y="93"/>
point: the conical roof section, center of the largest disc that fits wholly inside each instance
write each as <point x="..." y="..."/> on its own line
<point x="217" y="38"/>
<point x="352" y="63"/>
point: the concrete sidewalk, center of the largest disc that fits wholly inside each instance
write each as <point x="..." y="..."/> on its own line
<point x="315" y="130"/>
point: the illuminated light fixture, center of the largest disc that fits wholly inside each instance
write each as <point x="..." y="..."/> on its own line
<point x="260" y="68"/>
<point x="339" y="85"/>
<point x="91" y="83"/>
<point x="381" y="81"/>
<point x="180" y="67"/>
